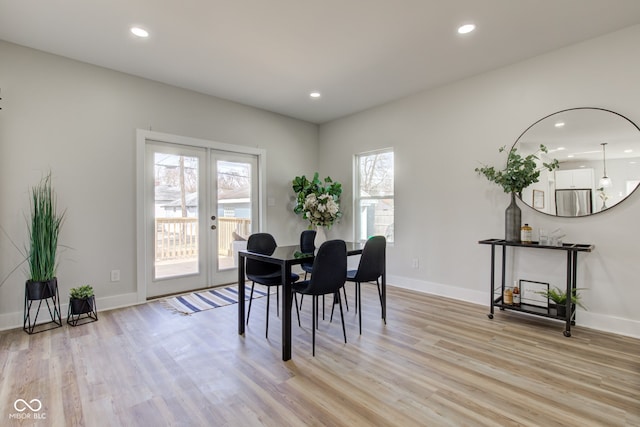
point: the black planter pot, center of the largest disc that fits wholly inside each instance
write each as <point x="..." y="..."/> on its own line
<point x="41" y="290"/>
<point x="561" y="310"/>
<point x="82" y="310"/>
<point x="35" y="294"/>
<point x="81" y="306"/>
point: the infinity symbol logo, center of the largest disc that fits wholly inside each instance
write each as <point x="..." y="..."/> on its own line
<point x="35" y="408"/>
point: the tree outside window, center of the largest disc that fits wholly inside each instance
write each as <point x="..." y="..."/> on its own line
<point x="374" y="195"/>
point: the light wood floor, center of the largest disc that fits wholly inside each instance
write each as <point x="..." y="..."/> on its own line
<point x="437" y="362"/>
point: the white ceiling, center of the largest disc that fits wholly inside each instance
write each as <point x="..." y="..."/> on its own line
<point x="271" y="53"/>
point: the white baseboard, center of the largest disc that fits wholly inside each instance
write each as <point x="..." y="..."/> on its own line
<point x="600" y="322"/>
<point x="16" y="319"/>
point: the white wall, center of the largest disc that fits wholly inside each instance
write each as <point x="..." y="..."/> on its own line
<point x="80" y="121"/>
<point x="443" y="208"/>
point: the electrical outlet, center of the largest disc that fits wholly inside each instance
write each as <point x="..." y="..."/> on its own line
<point x="414" y="263"/>
<point x="115" y="275"/>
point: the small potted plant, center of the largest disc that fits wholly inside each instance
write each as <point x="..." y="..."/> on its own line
<point x="81" y="300"/>
<point x="559" y="297"/>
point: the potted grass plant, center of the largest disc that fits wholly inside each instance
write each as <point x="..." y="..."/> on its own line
<point x="44" y="229"/>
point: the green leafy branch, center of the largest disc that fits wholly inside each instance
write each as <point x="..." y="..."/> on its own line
<point x="519" y="173"/>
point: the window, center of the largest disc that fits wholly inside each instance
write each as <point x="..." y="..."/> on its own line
<point x="374" y="195"/>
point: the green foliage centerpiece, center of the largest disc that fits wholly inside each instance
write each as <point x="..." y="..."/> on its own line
<point x="519" y="173"/>
<point x="318" y="201"/>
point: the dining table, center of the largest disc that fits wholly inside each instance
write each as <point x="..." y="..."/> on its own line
<point x="286" y="257"/>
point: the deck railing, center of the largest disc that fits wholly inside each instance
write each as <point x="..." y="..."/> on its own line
<point x="177" y="238"/>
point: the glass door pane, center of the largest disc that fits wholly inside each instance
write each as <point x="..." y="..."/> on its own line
<point x="234" y="209"/>
<point x="176" y="250"/>
<point x="176" y="212"/>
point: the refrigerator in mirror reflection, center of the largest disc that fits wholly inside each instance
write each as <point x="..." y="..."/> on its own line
<point x="573" y="202"/>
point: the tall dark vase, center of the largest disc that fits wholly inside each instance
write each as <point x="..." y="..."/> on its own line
<point x="512" y="221"/>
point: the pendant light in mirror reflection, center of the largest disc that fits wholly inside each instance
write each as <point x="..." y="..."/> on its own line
<point x="605" y="181"/>
<point x="598" y="151"/>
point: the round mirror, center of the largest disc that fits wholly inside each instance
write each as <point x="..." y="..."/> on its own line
<point x="599" y="156"/>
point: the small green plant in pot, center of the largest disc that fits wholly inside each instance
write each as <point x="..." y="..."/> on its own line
<point x="559" y="298"/>
<point x="44" y="229"/>
<point x="81" y="299"/>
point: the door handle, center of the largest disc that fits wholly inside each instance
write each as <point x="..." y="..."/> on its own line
<point x="213" y="227"/>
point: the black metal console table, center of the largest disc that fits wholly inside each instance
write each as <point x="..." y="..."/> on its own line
<point x="571" y="249"/>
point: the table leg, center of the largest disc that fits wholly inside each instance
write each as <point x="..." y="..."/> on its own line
<point x="287" y="298"/>
<point x="571" y="279"/>
<point x="241" y="279"/>
<point x="493" y="281"/>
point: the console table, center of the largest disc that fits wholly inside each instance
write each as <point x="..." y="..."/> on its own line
<point x="571" y="249"/>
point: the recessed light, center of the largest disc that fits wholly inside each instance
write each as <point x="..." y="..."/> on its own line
<point x="628" y="151"/>
<point x="571" y="156"/>
<point x="559" y="124"/>
<point x="467" y="28"/>
<point x="140" y="32"/>
<point x="315" y="94"/>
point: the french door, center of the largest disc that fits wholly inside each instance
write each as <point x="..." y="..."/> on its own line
<point x="199" y="201"/>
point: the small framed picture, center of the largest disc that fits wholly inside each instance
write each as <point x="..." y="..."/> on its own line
<point x="538" y="199"/>
<point x="530" y="293"/>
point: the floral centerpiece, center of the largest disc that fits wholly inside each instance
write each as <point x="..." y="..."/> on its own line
<point x="318" y="201"/>
<point x="519" y="173"/>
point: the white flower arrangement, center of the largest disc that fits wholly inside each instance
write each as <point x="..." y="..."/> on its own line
<point x="318" y="201"/>
<point x="322" y="210"/>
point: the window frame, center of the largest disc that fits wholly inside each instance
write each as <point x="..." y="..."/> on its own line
<point x="357" y="199"/>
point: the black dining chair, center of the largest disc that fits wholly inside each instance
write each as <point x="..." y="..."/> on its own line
<point x="307" y="246"/>
<point x="370" y="268"/>
<point x="329" y="275"/>
<point x="265" y="273"/>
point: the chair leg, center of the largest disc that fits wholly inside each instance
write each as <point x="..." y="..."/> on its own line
<point x="295" y="297"/>
<point x="359" y="292"/>
<point x="346" y="301"/>
<point x="267" y="320"/>
<point x="301" y="299"/>
<point x="356" y="295"/>
<point x="278" y="300"/>
<point x="344" y="330"/>
<point x="333" y="305"/>
<point x="250" y="300"/>
<point x="314" y="323"/>
<point x="381" y="303"/>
